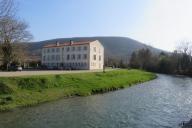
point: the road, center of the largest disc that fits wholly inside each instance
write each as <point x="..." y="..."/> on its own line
<point x="45" y="72"/>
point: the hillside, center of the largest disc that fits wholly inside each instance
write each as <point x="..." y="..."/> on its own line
<point x="116" y="47"/>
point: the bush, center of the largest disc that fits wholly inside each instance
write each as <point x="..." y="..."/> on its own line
<point x="6" y="100"/>
<point x="27" y="83"/>
<point x="33" y="83"/>
<point x="4" y="89"/>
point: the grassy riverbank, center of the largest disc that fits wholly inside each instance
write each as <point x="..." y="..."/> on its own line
<point x="31" y="90"/>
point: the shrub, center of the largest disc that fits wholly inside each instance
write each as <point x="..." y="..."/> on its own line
<point x="5" y="100"/>
<point x="58" y="77"/>
<point x="33" y="83"/>
<point x="27" y="83"/>
<point x="4" y="89"/>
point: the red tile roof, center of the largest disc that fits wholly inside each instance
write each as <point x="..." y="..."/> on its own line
<point x="67" y="44"/>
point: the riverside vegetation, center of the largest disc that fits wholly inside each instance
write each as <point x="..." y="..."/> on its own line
<point x="31" y="90"/>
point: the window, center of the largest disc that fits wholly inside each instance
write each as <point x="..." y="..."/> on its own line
<point x="48" y="58"/>
<point x="57" y="50"/>
<point x="94" y="57"/>
<point x="43" y="58"/>
<point x="62" y="49"/>
<point x="79" y="57"/>
<point x="73" y="57"/>
<point x="57" y="57"/>
<point x="48" y="50"/>
<point x="79" y="48"/>
<point x="68" y="57"/>
<point x="53" y="50"/>
<point x="85" y="56"/>
<point x="85" y="48"/>
<point x="94" y="49"/>
<point x="73" y="48"/>
<point x="99" y="58"/>
<point x="53" y="57"/>
<point x="68" y="49"/>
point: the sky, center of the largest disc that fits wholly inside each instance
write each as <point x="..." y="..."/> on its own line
<point x="159" y="23"/>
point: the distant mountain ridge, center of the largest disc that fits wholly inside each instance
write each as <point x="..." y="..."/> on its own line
<point x="115" y="47"/>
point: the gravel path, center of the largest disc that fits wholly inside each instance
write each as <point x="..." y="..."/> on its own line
<point x="45" y="72"/>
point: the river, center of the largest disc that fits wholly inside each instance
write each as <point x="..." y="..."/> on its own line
<point x="162" y="103"/>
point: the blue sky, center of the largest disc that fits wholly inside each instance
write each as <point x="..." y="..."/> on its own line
<point x="154" y="22"/>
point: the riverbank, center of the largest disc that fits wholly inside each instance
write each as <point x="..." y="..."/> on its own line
<point x="32" y="90"/>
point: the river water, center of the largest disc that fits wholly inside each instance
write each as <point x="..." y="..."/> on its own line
<point x="162" y="103"/>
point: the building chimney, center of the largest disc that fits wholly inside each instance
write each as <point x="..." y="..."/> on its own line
<point x="71" y="42"/>
<point x="57" y="43"/>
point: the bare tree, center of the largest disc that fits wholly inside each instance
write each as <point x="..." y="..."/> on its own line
<point x="184" y="47"/>
<point x="20" y="55"/>
<point x="12" y="30"/>
<point x="184" y="57"/>
<point x="7" y="8"/>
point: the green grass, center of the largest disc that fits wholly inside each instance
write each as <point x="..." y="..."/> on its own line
<point x="32" y="90"/>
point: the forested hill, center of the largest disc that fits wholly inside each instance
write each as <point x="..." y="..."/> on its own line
<point x="117" y="47"/>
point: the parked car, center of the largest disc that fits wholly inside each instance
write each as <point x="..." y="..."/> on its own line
<point x="19" y="68"/>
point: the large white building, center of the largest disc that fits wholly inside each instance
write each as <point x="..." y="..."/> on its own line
<point x="85" y="55"/>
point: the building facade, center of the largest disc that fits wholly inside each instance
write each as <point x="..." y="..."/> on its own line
<point x="85" y="55"/>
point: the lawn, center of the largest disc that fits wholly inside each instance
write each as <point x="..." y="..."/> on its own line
<point x="32" y="90"/>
